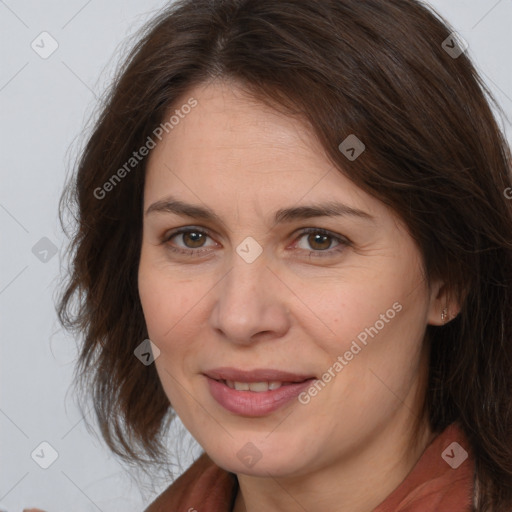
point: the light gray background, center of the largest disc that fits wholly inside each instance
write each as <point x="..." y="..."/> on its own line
<point x="45" y="104"/>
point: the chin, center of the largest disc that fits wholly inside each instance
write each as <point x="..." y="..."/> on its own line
<point x="248" y="461"/>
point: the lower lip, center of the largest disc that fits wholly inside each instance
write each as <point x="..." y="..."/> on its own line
<point x="251" y="403"/>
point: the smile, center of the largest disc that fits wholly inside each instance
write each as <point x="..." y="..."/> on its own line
<point x="254" y="393"/>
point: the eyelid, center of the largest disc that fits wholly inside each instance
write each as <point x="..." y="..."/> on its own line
<point x="297" y="234"/>
<point x="306" y="231"/>
<point x="185" y="229"/>
<point x="336" y="251"/>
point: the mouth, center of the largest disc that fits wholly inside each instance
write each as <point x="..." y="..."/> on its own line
<point x="255" y="392"/>
<point x="261" y="379"/>
<point x="256" y="387"/>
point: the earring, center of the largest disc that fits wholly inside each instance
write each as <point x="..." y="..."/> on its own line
<point x="444" y="315"/>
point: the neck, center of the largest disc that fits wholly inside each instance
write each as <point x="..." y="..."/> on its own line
<point x="358" y="483"/>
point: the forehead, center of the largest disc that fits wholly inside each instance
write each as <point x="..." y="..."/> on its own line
<point x="230" y="147"/>
<point x="226" y="124"/>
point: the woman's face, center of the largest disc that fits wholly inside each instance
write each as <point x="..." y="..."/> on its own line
<point x="341" y="307"/>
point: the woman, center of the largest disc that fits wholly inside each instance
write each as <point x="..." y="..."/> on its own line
<point x="293" y="233"/>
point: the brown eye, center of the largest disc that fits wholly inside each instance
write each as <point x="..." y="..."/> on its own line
<point x="319" y="241"/>
<point x="193" y="239"/>
<point x="185" y="240"/>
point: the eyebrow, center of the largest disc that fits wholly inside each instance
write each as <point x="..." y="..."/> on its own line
<point x="328" y="209"/>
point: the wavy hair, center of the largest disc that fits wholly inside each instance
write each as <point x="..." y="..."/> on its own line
<point x="435" y="154"/>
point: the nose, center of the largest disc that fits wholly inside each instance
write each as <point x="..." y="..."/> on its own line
<point x="250" y="304"/>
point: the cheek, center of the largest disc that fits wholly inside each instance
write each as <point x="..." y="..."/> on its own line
<point x="165" y="299"/>
<point x="346" y="310"/>
<point x="386" y="351"/>
<point x="376" y="323"/>
<point x="169" y="306"/>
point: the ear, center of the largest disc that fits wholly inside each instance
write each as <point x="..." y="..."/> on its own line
<point x="444" y="307"/>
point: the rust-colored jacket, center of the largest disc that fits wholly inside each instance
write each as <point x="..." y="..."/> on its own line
<point x="441" y="481"/>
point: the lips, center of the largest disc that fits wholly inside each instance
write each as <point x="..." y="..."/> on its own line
<point x="255" y="392"/>
<point x="258" y="375"/>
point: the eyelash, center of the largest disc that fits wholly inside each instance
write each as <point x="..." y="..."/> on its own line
<point x="342" y="241"/>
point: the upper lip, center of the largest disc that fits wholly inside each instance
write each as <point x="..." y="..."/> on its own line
<point x="256" y="375"/>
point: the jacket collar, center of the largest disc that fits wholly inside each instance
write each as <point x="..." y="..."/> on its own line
<point x="441" y="481"/>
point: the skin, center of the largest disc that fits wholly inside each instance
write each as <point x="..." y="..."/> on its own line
<point x="349" y="447"/>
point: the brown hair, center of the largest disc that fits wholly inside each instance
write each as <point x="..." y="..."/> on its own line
<point x="434" y="153"/>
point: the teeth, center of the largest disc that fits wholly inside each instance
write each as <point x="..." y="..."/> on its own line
<point x="241" y="386"/>
<point x="259" y="386"/>
<point x="254" y="386"/>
